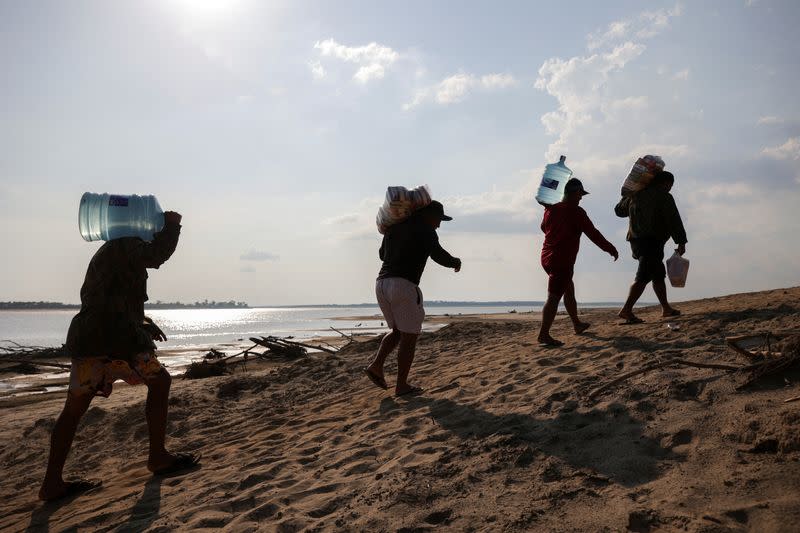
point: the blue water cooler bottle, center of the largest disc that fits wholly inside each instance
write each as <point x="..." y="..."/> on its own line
<point x="104" y="217"/>
<point x="556" y="175"/>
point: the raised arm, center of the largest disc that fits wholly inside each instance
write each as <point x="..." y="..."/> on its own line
<point x="161" y="248"/>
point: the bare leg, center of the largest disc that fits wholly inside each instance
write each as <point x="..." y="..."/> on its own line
<point x="571" y="306"/>
<point x="548" y="316"/>
<point x="405" y="357"/>
<point x="156" y="414"/>
<point x="636" y="290"/>
<point x="660" y="288"/>
<point x="388" y="344"/>
<point x="60" y="444"/>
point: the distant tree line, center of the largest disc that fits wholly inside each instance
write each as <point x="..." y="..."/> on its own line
<point x="37" y="305"/>
<point x="205" y="304"/>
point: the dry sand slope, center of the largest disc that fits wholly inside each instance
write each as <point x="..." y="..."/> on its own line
<point x="504" y="439"/>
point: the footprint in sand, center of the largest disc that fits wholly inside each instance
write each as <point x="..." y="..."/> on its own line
<point x="566" y="369"/>
<point x="439" y="517"/>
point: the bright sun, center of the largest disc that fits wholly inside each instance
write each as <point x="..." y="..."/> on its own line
<point x="207" y="7"/>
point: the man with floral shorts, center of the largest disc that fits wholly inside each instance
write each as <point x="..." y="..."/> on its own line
<point x="405" y="250"/>
<point x="109" y="339"/>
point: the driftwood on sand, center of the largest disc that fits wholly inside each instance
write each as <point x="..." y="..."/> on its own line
<point x="13" y="352"/>
<point x="764" y="362"/>
<point x="218" y="363"/>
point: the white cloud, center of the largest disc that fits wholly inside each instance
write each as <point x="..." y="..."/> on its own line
<point x="788" y="150"/>
<point x="497" y="81"/>
<point x="453" y="89"/>
<point x="577" y="84"/>
<point x="258" y="255"/>
<point x="372" y="59"/>
<point x="350" y="218"/>
<point x="681" y="75"/>
<point x="624" y="106"/>
<point x="457" y="87"/>
<point x="769" y="120"/>
<point x="317" y="70"/>
<point x="616" y="31"/>
<point x="643" y="26"/>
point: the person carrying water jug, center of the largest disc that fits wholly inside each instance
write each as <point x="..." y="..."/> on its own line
<point x="654" y="219"/>
<point x="563" y="224"/>
<point x="404" y="251"/>
<point x="109" y="339"/>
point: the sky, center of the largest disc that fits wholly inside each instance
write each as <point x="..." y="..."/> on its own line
<point x="275" y="128"/>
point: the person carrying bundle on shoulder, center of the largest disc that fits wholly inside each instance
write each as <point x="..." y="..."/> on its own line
<point x="563" y="224"/>
<point x="653" y="220"/>
<point x="404" y="251"/>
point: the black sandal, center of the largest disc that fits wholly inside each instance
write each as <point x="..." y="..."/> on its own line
<point x="182" y="462"/>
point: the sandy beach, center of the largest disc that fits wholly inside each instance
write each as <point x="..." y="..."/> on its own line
<point x="505" y="437"/>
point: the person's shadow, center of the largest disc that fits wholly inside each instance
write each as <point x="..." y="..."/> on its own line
<point x="40" y="517"/>
<point x="143" y="513"/>
<point x="146" y="510"/>
<point x="610" y="442"/>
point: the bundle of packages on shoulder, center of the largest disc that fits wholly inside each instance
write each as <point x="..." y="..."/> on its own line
<point x="400" y="203"/>
<point x="641" y="174"/>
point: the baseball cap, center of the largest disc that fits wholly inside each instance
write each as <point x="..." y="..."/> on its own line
<point x="436" y="209"/>
<point x="574" y="185"/>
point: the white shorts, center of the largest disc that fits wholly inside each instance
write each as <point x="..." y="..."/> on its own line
<point x="401" y="304"/>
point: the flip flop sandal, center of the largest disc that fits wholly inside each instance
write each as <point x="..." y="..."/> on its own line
<point x="182" y="463"/>
<point x="553" y="344"/>
<point x="75" y="487"/>
<point x="632" y="321"/>
<point x="413" y="391"/>
<point x="377" y="380"/>
<point x="583" y="329"/>
<point x="673" y="314"/>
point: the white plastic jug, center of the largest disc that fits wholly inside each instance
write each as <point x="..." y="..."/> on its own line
<point x="104" y="217"/>
<point x="554" y="179"/>
<point x="677" y="270"/>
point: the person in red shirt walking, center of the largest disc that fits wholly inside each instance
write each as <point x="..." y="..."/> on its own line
<point x="563" y="224"/>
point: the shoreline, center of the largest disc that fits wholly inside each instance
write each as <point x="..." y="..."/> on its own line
<point x="506" y="436"/>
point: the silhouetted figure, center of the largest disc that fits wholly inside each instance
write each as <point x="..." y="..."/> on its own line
<point x="563" y="224"/>
<point x="109" y="339"/>
<point x="654" y="219"/>
<point x="405" y="250"/>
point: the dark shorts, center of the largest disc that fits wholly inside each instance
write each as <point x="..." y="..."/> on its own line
<point x="650" y="253"/>
<point x="558" y="279"/>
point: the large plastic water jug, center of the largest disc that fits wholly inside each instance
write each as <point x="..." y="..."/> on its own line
<point x="556" y="175"/>
<point x="104" y="217"/>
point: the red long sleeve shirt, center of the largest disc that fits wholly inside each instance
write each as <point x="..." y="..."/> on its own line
<point x="563" y="224"/>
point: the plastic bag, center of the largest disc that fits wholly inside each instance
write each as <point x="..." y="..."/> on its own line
<point x="641" y="174"/>
<point x="400" y="203"/>
<point x="677" y="270"/>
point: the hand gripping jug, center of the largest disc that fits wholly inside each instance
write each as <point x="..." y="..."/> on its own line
<point x="111" y="216"/>
<point x="551" y="190"/>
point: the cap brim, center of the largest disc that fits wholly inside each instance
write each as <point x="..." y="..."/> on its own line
<point x="445" y="217"/>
